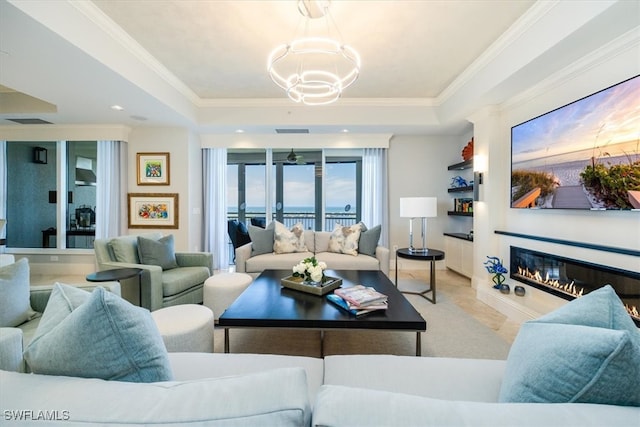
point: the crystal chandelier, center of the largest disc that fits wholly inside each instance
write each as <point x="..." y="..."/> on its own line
<point x="314" y="70"/>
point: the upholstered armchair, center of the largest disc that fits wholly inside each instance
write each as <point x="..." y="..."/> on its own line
<point x="168" y="277"/>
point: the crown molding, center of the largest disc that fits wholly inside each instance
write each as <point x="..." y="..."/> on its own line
<point x="64" y="132"/>
<point x="603" y="55"/>
<point x="342" y="102"/>
<point x="122" y="38"/>
<point x="535" y="13"/>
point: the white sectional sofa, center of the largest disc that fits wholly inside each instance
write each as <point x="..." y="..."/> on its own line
<point x="576" y="366"/>
<point x="251" y="389"/>
<point x="317" y="243"/>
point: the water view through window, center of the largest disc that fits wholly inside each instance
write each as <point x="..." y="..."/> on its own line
<point x="299" y="191"/>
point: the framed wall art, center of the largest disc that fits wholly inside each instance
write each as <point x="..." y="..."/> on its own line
<point x="149" y="210"/>
<point x="152" y="168"/>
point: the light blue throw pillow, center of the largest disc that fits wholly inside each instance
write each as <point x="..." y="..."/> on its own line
<point x="15" y="307"/>
<point x="369" y="238"/>
<point x="63" y="300"/>
<point x="587" y="351"/>
<point x="157" y="252"/>
<point x="261" y="239"/>
<point x="102" y="336"/>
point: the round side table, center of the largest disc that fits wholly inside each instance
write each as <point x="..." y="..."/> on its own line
<point x="431" y="255"/>
<point x="117" y="275"/>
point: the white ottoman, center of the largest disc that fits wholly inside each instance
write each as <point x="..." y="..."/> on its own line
<point x="185" y="328"/>
<point x="221" y="290"/>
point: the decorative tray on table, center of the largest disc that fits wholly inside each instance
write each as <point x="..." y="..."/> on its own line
<point x="329" y="284"/>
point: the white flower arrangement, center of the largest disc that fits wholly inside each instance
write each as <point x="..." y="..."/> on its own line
<point x="310" y="270"/>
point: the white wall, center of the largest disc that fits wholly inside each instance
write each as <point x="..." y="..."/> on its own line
<point x="610" y="228"/>
<point x="418" y="168"/>
<point x="185" y="179"/>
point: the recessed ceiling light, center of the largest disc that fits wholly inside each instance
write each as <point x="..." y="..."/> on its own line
<point x="117" y="108"/>
<point x="239" y="130"/>
<point x="345" y="130"/>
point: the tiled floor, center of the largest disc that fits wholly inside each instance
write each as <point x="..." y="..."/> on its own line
<point x="456" y="287"/>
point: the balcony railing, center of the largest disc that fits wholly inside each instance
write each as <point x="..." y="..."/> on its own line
<point x="307" y="219"/>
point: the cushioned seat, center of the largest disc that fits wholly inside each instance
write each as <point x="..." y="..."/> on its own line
<point x="178" y="280"/>
<point x="342" y="262"/>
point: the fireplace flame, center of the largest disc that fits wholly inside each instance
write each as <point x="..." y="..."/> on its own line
<point x="568" y="288"/>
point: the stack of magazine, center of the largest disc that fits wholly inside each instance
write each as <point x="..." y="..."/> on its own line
<point x="358" y="299"/>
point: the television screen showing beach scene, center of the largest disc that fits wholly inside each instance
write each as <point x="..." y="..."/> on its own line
<point x="584" y="155"/>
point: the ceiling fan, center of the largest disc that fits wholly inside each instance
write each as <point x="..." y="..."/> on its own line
<point x="294" y="158"/>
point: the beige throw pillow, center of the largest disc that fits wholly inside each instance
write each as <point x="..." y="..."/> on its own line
<point x="344" y="240"/>
<point x="288" y="241"/>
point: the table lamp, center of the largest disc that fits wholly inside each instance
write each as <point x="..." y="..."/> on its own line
<point x="418" y="207"/>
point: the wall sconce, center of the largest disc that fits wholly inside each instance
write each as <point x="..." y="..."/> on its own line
<point x="479" y="167"/>
<point x="53" y="196"/>
<point x="477" y="180"/>
<point x="40" y="155"/>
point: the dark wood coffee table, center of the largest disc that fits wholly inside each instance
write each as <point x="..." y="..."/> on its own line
<point x="266" y="304"/>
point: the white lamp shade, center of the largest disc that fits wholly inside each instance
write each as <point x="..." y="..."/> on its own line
<point x="418" y="207"/>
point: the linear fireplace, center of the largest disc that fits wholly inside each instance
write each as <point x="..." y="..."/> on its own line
<point x="569" y="278"/>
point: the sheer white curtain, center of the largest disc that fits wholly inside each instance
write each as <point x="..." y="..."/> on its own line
<point x="111" y="190"/>
<point x="375" y="191"/>
<point x="3" y="184"/>
<point x="214" y="169"/>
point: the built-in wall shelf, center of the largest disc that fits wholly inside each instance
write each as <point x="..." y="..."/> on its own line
<point x="612" y="249"/>
<point x="461" y="236"/>
<point x="454" y="213"/>
<point x="462" y="205"/>
<point x="465" y="189"/>
<point x="462" y="165"/>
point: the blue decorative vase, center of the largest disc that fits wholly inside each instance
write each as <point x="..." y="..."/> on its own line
<point x="497" y="279"/>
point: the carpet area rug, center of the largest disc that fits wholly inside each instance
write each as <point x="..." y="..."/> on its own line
<point x="451" y="332"/>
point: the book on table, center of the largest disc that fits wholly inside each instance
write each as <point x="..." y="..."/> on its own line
<point x="357" y="311"/>
<point x="361" y="296"/>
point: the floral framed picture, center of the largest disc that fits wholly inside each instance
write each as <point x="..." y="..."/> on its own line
<point x="152" y="168"/>
<point x="149" y="210"/>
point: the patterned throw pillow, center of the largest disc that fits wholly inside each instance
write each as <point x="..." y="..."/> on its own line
<point x="289" y="241"/>
<point x="344" y="240"/>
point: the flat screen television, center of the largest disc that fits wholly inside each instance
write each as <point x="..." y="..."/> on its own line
<point x="583" y="155"/>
